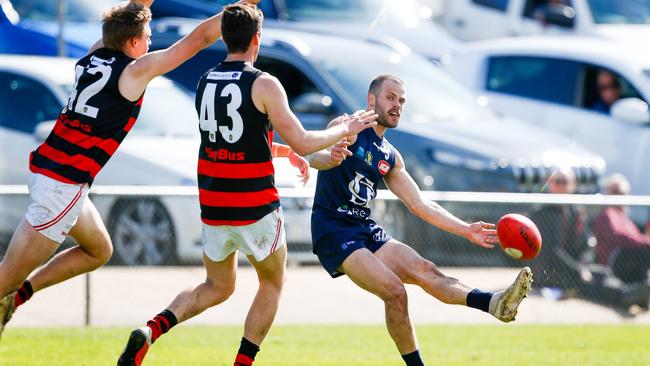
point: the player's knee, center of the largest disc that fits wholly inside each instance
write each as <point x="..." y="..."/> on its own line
<point x="10" y="280"/>
<point x="220" y="292"/>
<point x="103" y="252"/>
<point x="424" y="270"/>
<point x="394" y="292"/>
<point x="275" y="282"/>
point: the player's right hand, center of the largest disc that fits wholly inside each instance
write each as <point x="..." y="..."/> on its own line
<point x="359" y="121"/>
<point x="340" y="151"/>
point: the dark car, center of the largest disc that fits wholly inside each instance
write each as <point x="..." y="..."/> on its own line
<point x="449" y="139"/>
<point x="32" y="26"/>
<point x="406" y="21"/>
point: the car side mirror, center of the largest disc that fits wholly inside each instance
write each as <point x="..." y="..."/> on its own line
<point x="42" y="130"/>
<point x="560" y="15"/>
<point x="312" y="103"/>
<point x="631" y="110"/>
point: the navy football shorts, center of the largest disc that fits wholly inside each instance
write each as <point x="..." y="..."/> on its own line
<point x="334" y="247"/>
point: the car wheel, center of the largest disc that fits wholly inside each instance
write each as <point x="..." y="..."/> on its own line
<point x="142" y="232"/>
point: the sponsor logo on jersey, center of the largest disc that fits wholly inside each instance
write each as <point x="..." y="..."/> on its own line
<point x="361" y="151"/>
<point x="75" y="123"/>
<point x="369" y="158"/>
<point x="224" y="75"/>
<point x="224" y="154"/>
<point x="384" y="167"/>
<point x="362" y="190"/>
<point x="357" y="212"/>
<point x="383" y="148"/>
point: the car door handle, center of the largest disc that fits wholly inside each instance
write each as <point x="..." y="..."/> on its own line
<point x="459" y="23"/>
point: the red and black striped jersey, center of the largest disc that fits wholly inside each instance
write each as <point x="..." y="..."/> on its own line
<point x="235" y="170"/>
<point x="93" y="123"/>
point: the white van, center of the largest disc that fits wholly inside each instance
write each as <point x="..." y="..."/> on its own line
<point x="619" y="20"/>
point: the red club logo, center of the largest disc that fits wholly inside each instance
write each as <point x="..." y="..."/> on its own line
<point x="384" y="167"/>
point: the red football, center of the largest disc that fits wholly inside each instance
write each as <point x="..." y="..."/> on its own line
<point x="519" y="236"/>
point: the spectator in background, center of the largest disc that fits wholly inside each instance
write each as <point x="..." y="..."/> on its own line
<point x="563" y="232"/>
<point x="609" y="91"/>
<point x="542" y="7"/>
<point x="621" y="244"/>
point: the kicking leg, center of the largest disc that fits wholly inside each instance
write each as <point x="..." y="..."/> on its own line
<point x="413" y="269"/>
<point x="218" y="286"/>
<point x="93" y="251"/>
<point x="369" y="273"/>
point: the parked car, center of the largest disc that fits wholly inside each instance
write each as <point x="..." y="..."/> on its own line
<point x="161" y="150"/>
<point x="551" y="82"/>
<point x="619" y="20"/>
<point x="448" y="137"/>
<point x="406" y="21"/>
<point x="31" y="26"/>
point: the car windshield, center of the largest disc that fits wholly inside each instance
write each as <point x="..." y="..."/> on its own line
<point x="74" y="10"/>
<point x="620" y="11"/>
<point x="382" y="12"/>
<point x="431" y="95"/>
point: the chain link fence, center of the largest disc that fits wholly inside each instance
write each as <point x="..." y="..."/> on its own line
<point x="594" y="247"/>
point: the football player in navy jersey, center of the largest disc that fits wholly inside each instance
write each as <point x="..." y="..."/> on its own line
<point x="102" y="108"/>
<point x="239" y="107"/>
<point x="348" y="241"/>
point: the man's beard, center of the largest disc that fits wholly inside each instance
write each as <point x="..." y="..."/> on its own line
<point x="382" y="120"/>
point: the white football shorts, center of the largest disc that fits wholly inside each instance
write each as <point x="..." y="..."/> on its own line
<point x="54" y="206"/>
<point x="259" y="239"/>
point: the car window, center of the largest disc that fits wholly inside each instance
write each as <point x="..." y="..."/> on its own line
<point x="532" y="6"/>
<point x="591" y="89"/>
<point x="383" y="12"/>
<point x="620" y="11"/>
<point x="74" y="10"/>
<point x="494" y="4"/>
<point x="294" y="81"/>
<point x="25" y="102"/>
<point x="301" y="93"/>
<point x="547" y="79"/>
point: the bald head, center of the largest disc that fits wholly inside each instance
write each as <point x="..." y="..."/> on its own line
<point x="562" y="181"/>
<point x="616" y="184"/>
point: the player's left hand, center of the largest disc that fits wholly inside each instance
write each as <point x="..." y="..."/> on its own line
<point x="302" y="165"/>
<point x="483" y="234"/>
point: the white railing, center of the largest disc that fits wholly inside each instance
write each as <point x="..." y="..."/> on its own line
<point x="482" y="197"/>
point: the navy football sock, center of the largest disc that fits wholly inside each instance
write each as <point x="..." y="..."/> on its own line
<point x="413" y="359"/>
<point x="478" y="299"/>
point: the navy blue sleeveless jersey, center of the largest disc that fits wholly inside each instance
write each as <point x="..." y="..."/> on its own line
<point x="343" y="194"/>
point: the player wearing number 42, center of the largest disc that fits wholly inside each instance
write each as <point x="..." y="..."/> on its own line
<point x="103" y="107"/>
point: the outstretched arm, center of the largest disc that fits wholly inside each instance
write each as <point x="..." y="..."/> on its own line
<point x="269" y="96"/>
<point x="402" y="185"/>
<point x="141" y="71"/>
<point x="284" y="151"/>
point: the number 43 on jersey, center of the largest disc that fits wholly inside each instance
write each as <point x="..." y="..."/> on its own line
<point x="208" y="121"/>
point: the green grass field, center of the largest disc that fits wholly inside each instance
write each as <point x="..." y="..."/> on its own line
<point x="340" y="346"/>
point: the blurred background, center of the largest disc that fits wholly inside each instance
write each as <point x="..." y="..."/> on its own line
<point x="528" y="106"/>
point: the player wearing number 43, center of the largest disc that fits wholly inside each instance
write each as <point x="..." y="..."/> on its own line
<point x="238" y="108"/>
<point x="348" y="241"/>
<point x="109" y="89"/>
